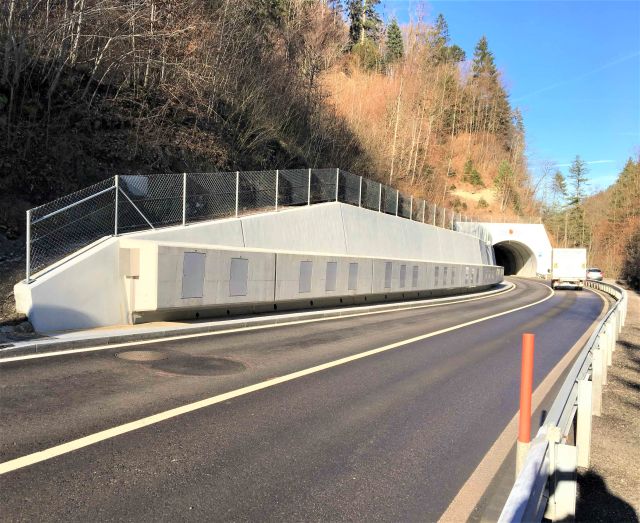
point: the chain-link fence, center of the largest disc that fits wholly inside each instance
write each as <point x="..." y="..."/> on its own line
<point x="129" y="203"/>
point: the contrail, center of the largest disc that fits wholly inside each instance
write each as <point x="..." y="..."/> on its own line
<point x="580" y="76"/>
<point x="592" y="162"/>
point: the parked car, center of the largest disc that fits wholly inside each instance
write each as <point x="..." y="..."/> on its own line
<point x="594" y="274"/>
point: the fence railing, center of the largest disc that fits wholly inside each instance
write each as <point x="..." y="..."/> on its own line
<point x="128" y="203"/>
<point x="546" y="486"/>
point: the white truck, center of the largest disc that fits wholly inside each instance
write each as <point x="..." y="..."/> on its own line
<point x="568" y="267"/>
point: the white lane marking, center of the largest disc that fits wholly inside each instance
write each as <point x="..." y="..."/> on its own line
<point x="243" y="329"/>
<point x="461" y="508"/>
<point x="76" y="444"/>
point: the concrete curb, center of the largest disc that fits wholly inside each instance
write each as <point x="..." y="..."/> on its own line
<point x="55" y="344"/>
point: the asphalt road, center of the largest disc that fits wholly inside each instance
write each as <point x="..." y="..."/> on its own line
<point x="391" y="436"/>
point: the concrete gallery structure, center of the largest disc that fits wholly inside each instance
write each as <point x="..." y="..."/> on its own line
<point x="300" y="257"/>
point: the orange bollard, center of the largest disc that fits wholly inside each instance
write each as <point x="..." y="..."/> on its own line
<point x="526" y="389"/>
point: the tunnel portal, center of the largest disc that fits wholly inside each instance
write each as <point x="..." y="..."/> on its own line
<point x="516" y="258"/>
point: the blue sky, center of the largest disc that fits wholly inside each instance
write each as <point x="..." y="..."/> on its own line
<point x="573" y="67"/>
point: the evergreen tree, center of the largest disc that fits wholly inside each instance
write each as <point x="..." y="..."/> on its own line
<point x="578" y="179"/>
<point x="364" y="21"/>
<point x="439" y="42"/>
<point x="440" y="33"/>
<point x="395" y="46"/>
<point x="576" y="231"/>
<point x="483" y="62"/>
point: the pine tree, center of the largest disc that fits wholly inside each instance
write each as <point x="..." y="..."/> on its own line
<point x="578" y="179"/>
<point x="439" y="42"/>
<point x="364" y="21"/>
<point x="576" y="232"/>
<point x="483" y="62"/>
<point x="395" y="46"/>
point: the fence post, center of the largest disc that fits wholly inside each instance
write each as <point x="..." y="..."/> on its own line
<point x="379" y="197"/>
<point x="360" y="193"/>
<point x="337" y="181"/>
<point x="116" y="185"/>
<point x="309" y="189"/>
<point x="424" y="208"/>
<point x="184" y="198"/>
<point x="28" y="272"/>
<point x="397" y="200"/>
<point x="237" y="190"/>
<point x="411" y="208"/>
<point x="277" y="182"/>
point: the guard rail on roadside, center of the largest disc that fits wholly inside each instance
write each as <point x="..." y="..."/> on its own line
<point x="546" y="485"/>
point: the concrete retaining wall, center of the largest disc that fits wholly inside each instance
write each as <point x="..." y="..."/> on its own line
<point x="268" y="278"/>
<point x="115" y="280"/>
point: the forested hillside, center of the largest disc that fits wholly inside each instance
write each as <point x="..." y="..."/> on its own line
<point x="92" y="88"/>
<point x="607" y="223"/>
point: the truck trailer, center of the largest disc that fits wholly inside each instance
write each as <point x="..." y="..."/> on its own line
<point x="568" y="267"/>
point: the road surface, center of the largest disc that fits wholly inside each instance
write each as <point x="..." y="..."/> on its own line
<point x="381" y="435"/>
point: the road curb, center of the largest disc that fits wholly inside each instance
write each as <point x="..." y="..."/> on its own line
<point x="51" y="345"/>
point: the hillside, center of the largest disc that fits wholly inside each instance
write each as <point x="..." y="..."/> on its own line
<point x="93" y="88"/>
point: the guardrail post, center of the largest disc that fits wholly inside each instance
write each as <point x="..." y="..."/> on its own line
<point x="596" y="379"/>
<point x="397" y="200"/>
<point x="309" y="189"/>
<point x="526" y="389"/>
<point x="184" y="198"/>
<point x="360" y="193"/>
<point x="28" y="246"/>
<point x="379" y="197"/>
<point x="563" y="484"/>
<point x="116" y="184"/>
<point x="337" y="181"/>
<point x="411" y="208"/>
<point x="583" y="427"/>
<point x="277" y="182"/>
<point x="237" y="190"/>
<point x="605" y="347"/>
<point x="424" y="209"/>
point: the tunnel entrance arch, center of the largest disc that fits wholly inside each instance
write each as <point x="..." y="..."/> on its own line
<point x="516" y="258"/>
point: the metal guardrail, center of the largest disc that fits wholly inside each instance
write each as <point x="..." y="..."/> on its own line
<point x="129" y="203"/>
<point x="546" y="486"/>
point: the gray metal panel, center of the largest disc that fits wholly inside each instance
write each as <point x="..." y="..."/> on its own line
<point x="403" y="275"/>
<point x="306" y="269"/>
<point x="388" y="267"/>
<point x="353" y="276"/>
<point x="414" y="276"/>
<point x="332" y="275"/>
<point x="238" y="277"/>
<point x="193" y="274"/>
